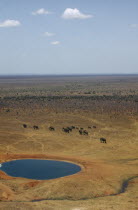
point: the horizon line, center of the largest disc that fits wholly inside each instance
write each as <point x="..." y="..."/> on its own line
<point x="100" y="74"/>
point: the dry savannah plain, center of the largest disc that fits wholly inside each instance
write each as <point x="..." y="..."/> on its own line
<point x="105" y="107"/>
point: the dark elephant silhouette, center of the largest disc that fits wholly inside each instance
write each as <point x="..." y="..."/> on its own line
<point x="103" y="140"/>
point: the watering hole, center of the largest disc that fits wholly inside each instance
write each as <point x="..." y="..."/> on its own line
<point x="39" y="169"/>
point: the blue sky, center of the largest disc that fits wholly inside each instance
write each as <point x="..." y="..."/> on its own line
<point x="68" y="36"/>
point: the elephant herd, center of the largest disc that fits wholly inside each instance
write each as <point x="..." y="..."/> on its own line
<point x="69" y="129"/>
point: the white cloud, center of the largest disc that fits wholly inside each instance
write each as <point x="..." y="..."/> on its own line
<point x="49" y="34"/>
<point x="9" y="23"/>
<point x="55" y="43"/>
<point x="74" y="14"/>
<point x="41" y="11"/>
<point x="134" y="25"/>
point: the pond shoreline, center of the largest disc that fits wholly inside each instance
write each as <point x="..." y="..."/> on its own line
<point x="90" y="169"/>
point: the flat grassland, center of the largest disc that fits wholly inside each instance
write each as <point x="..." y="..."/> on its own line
<point x="104" y="106"/>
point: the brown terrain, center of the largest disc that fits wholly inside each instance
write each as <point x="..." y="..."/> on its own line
<point x="104" y="106"/>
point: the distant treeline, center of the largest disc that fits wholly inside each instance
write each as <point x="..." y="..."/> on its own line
<point x="95" y="97"/>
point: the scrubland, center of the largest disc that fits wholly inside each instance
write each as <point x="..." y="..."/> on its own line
<point x="104" y="106"/>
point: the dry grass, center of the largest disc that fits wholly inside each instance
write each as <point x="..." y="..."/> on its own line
<point x="105" y="166"/>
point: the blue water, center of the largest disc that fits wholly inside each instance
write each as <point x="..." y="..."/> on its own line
<point x="39" y="169"/>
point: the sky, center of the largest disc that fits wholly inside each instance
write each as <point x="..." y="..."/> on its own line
<point x="68" y="37"/>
